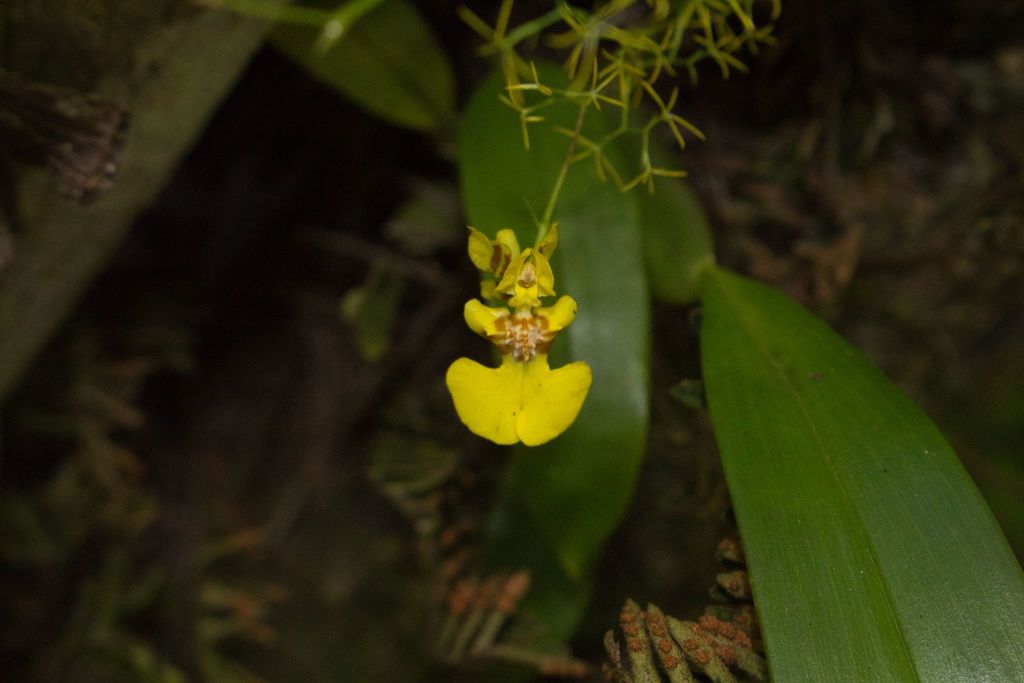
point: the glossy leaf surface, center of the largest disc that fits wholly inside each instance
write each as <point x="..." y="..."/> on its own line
<point x="576" y="488"/>
<point x="872" y="555"/>
<point x="389" y="62"/>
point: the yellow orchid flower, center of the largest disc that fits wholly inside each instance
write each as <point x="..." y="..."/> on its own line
<point x="523" y="399"/>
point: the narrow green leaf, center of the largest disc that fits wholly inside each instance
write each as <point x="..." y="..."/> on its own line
<point x="872" y="555"/>
<point x="677" y="241"/>
<point x="389" y="63"/>
<point x="576" y="488"/>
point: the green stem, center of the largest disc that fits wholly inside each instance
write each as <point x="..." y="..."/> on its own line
<point x="549" y="210"/>
<point x="334" y="24"/>
<point x="528" y="29"/>
<point x="341" y="21"/>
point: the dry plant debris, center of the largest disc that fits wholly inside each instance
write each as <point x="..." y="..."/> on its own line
<point x="723" y="644"/>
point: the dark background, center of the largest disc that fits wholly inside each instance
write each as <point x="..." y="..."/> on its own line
<point x="195" y="450"/>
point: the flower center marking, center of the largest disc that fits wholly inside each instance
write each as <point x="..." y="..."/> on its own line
<point x="526" y="335"/>
<point x="527" y="277"/>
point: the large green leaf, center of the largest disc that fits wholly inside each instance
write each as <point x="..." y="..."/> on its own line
<point x="677" y="240"/>
<point x="389" y="63"/>
<point x="576" y="488"/>
<point x="872" y="555"/>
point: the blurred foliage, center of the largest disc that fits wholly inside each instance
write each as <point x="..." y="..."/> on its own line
<point x="371" y="308"/>
<point x="388" y="62"/>
<point x="379" y="53"/>
<point x="82" y="532"/>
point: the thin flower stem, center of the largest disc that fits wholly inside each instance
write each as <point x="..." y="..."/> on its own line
<point x="549" y="210"/>
<point x="529" y="28"/>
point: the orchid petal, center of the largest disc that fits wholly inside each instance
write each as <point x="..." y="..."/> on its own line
<point x="526" y="402"/>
